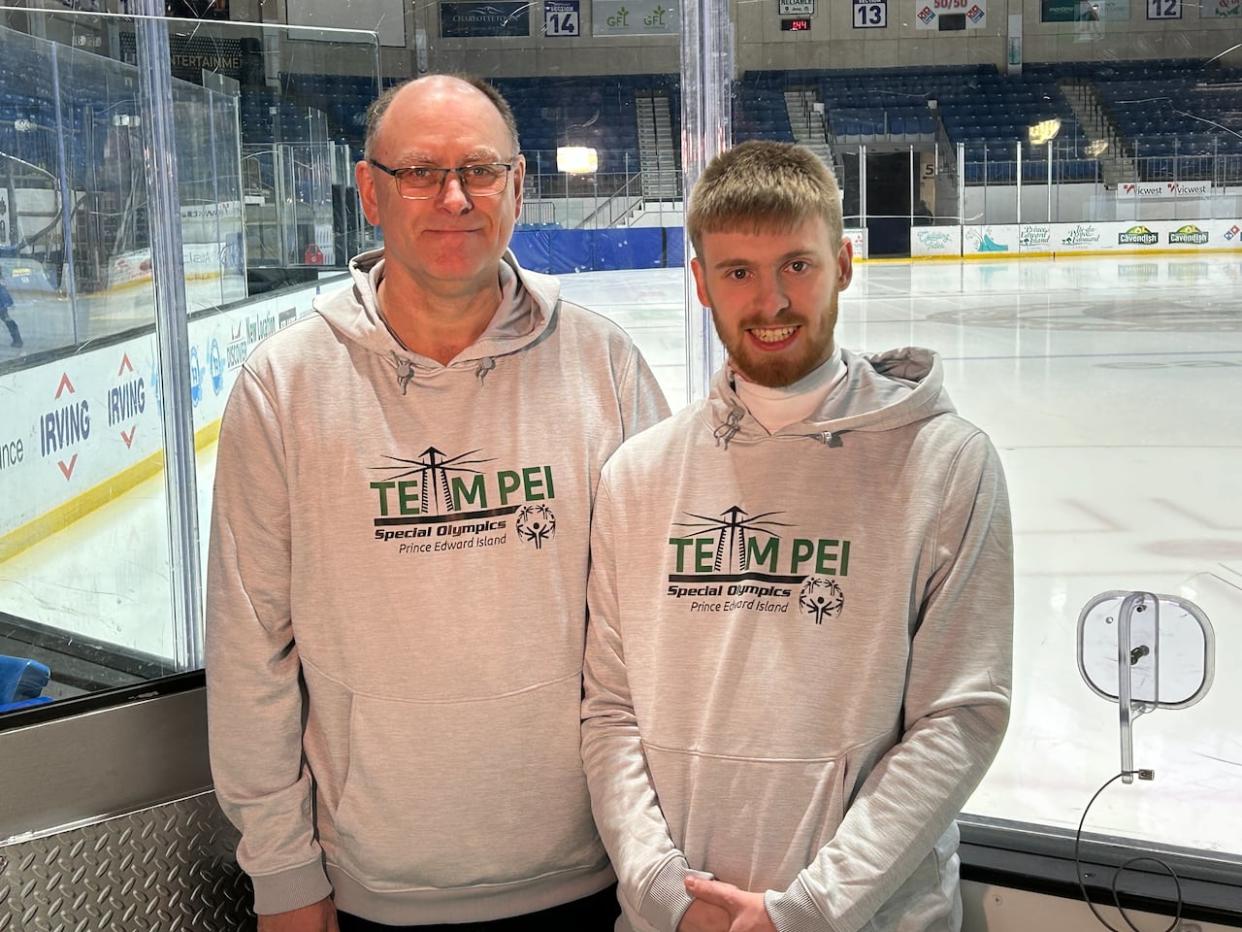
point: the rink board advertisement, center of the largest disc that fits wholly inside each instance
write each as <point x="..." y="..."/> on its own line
<point x="1035" y="237"/>
<point x="990" y="239"/>
<point x="83" y="420"/>
<point x="1163" y="190"/>
<point x="858" y="237"/>
<point x="1149" y="235"/>
<point x="200" y="262"/>
<point x="1068" y="238"/>
<point x="935" y="241"/>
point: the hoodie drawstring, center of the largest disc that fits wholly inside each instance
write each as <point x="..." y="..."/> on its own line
<point x="729" y="429"/>
<point x="732" y="426"/>
<point x="486" y="365"/>
<point x="405" y="372"/>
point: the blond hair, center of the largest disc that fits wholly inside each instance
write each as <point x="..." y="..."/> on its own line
<point x="761" y="185"/>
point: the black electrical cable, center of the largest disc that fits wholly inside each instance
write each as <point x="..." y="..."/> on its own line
<point x="1177" y="882"/>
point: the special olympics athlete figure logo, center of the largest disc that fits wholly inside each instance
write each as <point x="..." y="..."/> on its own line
<point x="820" y="597"/>
<point x="536" y="524"/>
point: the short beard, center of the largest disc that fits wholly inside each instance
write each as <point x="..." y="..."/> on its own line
<point x="770" y="373"/>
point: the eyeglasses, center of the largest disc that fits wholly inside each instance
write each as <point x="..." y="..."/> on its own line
<point x="419" y="182"/>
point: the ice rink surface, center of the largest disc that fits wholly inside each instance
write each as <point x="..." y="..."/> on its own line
<point x="1112" y="389"/>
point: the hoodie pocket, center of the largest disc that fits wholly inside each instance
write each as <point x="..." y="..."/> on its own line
<point x="455" y="794"/>
<point x="752" y="822"/>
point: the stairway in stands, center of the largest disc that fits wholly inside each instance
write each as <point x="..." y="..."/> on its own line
<point x="656" y="147"/>
<point x="1106" y="138"/>
<point x="807" y="124"/>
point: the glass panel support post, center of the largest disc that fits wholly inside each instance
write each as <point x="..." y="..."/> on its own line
<point x="985" y="184"/>
<point x="171" y="332"/>
<point x="912" y="185"/>
<point x="285" y="249"/>
<point x="862" y="186"/>
<point x="1049" y="181"/>
<point x="212" y="142"/>
<point x="706" y="131"/>
<point x="961" y="183"/>
<point x="66" y="275"/>
<point x="1017" y="155"/>
<point x="1212" y="198"/>
<point x="235" y="110"/>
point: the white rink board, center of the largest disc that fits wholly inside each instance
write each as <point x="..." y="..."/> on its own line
<point x="1129" y="236"/>
<point x="1063" y="238"/>
<point x="1035" y="237"/>
<point x="990" y="239"/>
<point x="858" y="237"/>
<point x="935" y="241"/>
<point x="79" y="421"/>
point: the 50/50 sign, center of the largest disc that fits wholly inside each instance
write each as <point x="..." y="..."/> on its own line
<point x="870" y="14"/>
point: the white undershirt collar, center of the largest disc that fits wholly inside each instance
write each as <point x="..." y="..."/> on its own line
<point x="778" y="407"/>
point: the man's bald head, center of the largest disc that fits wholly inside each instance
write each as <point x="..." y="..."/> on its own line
<point x="375" y="113"/>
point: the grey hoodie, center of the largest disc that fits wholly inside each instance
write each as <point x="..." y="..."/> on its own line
<point x="406" y="543"/>
<point x="798" y="663"/>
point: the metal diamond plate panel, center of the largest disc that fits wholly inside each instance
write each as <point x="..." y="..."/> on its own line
<point x="166" y="869"/>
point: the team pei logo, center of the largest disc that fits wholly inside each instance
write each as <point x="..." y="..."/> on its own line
<point x="820" y="598"/>
<point x="536" y="524"/>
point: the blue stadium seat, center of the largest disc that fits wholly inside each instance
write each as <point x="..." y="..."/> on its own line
<point x="21" y="683"/>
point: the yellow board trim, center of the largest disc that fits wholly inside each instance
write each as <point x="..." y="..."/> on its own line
<point x="147" y="281"/>
<point x="39" y="529"/>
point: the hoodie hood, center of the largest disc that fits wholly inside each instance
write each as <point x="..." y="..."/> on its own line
<point x="884" y="391"/>
<point x="526" y="314"/>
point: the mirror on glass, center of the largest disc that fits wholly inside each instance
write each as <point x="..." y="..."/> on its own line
<point x="1170" y="649"/>
<point x="1145" y="652"/>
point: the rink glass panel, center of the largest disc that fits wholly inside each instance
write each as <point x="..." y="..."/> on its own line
<point x="87" y="576"/>
<point x="1103" y="376"/>
<point x="1104" y="381"/>
<point x="83" y="575"/>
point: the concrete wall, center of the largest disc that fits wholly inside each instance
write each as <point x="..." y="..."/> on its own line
<point x="832" y="42"/>
<point x="1198" y="34"/>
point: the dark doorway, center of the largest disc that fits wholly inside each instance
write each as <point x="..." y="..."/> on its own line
<point x="888" y="203"/>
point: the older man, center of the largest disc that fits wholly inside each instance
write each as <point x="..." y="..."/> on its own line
<point x="397" y="577"/>
<point x="801" y="596"/>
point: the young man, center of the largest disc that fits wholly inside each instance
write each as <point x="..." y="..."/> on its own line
<point x="397" y="578"/>
<point x="801" y="599"/>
